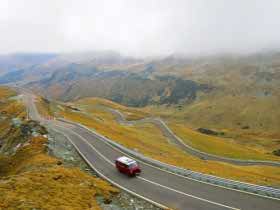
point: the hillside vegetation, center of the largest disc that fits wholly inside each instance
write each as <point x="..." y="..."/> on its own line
<point x="136" y="90"/>
<point x="243" y="105"/>
<point x="147" y="139"/>
<point x="218" y="145"/>
<point x="238" y="94"/>
<point x="235" y="98"/>
<point x="29" y="177"/>
<point x="32" y="179"/>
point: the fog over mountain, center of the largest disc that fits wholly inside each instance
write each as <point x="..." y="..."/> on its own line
<point x="139" y="28"/>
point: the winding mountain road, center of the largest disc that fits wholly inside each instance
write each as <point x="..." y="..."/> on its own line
<point x="155" y="185"/>
<point x="174" y="139"/>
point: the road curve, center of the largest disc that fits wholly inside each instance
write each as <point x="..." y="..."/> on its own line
<point x="154" y="184"/>
<point x="174" y="139"/>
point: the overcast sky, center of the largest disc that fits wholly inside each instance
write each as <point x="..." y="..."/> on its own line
<point x="139" y="27"/>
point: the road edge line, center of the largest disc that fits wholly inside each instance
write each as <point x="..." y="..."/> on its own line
<point x="189" y="178"/>
<point x="111" y="181"/>
<point x="149" y="181"/>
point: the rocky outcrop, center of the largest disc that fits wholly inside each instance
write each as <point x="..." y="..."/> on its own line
<point x="209" y="132"/>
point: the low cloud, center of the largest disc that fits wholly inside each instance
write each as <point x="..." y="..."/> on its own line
<point x="146" y="27"/>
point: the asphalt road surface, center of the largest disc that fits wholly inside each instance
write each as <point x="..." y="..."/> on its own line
<point x="174" y="139"/>
<point x="154" y="184"/>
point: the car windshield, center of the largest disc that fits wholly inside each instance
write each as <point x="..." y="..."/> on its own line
<point x="132" y="165"/>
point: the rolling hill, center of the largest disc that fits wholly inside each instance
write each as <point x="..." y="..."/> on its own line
<point x="234" y="94"/>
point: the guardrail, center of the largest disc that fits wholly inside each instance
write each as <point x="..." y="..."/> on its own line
<point x="210" y="179"/>
<point x="171" y="136"/>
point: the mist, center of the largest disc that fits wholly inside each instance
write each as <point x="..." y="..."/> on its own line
<point x="140" y="28"/>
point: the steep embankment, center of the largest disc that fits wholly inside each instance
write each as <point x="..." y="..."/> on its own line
<point x="29" y="177"/>
<point x="32" y="179"/>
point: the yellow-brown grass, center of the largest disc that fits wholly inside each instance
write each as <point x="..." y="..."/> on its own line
<point x="10" y="108"/>
<point x="32" y="179"/>
<point x="6" y="92"/>
<point x="43" y="107"/>
<point x="219" y="146"/>
<point x="226" y="147"/>
<point x="131" y="113"/>
<point x="147" y="139"/>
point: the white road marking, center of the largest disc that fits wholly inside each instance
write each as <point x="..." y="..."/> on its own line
<point x="182" y="193"/>
<point x="189" y="195"/>
<point x="158" y="169"/>
<point x="109" y="180"/>
<point x="189" y="178"/>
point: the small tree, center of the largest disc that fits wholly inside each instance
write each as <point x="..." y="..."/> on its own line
<point x="276" y="152"/>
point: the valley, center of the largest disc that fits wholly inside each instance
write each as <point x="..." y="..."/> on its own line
<point x="139" y="105"/>
<point x="148" y="139"/>
<point x="32" y="177"/>
<point x="205" y="102"/>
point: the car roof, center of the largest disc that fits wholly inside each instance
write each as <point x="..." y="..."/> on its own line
<point x="126" y="160"/>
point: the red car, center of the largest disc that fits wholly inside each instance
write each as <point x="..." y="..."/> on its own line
<point x="127" y="166"/>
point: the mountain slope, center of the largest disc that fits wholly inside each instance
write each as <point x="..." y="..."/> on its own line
<point x="235" y="92"/>
<point x="13" y="67"/>
<point x="133" y="89"/>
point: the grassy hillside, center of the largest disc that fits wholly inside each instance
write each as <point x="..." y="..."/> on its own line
<point x="238" y="94"/>
<point x="29" y="177"/>
<point x="243" y="105"/>
<point x="6" y="92"/>
<point x="147" y="139"/>
<point x="32" y="179"/>
<point x="250" y="122"/>
<point x="137" y="90"/>
<point x="243" y="96"/>
<point x="224" y="92"/>
<point x="131" y="113"/>
<point x="217" y="145"/>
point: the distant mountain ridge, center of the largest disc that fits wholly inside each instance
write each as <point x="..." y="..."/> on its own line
<point x="11" y="62"/>
<point x="134" y="89"/>
<point x="219" y="92"/>
<point x="139" y="82"/>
